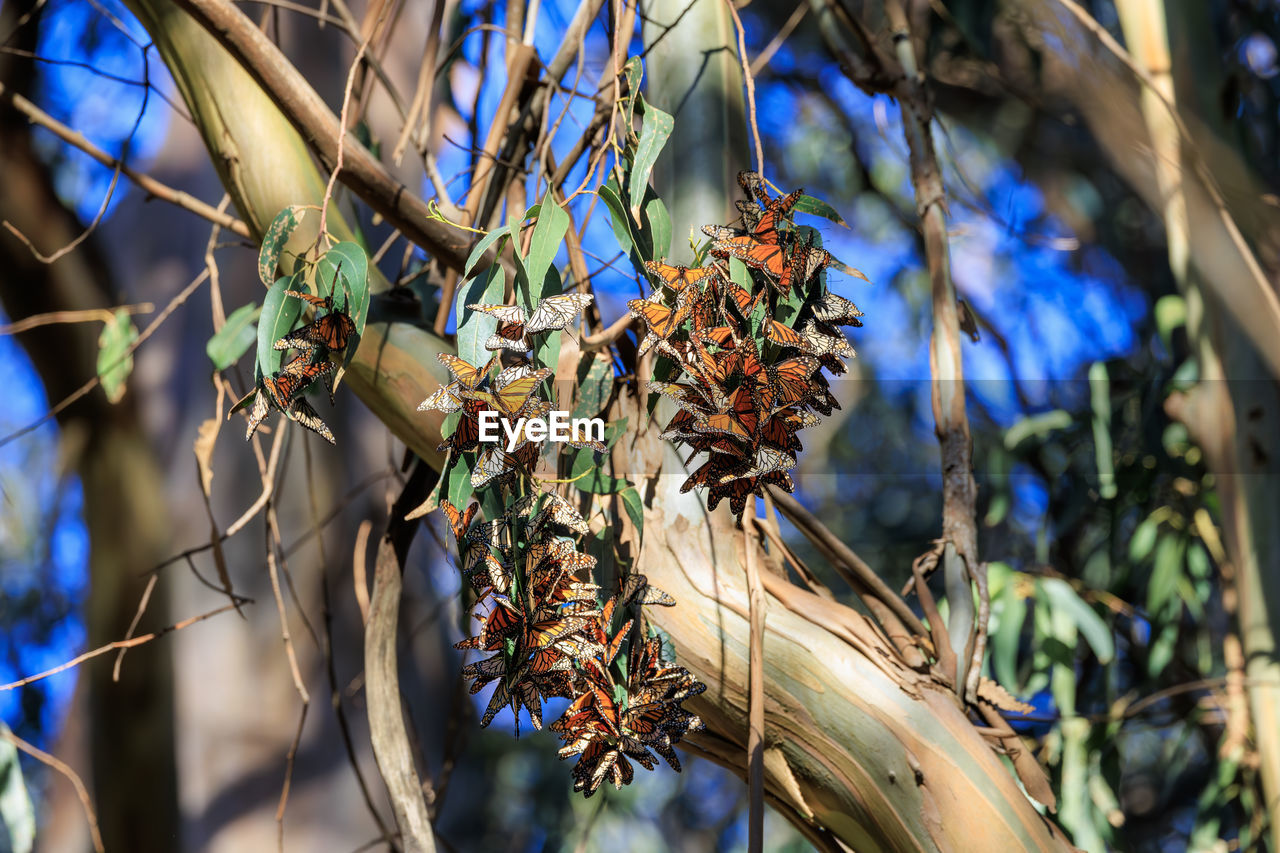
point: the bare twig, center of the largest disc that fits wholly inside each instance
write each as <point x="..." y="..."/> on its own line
<point x="751" y="84"/>
<point x="147" y="183"/>
<point x="118" y="644"/>
<point x="74" y="778"/>
<point x="755" y="684"/>
<point x="421" y="104"/>
<point x="359" y="576"/>
<point x="88" y="315"/>
<point x="93" y="383"/>
<point x="779" y="38"/>
<point x="818" y="532"/>
<point x="608" y="336"/>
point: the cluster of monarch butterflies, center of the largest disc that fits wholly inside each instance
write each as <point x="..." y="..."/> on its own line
<point x="543" y="623"/>
<point x="752" y="353"/>
<point x="547" y="634"/>
<point x="510" y="393"/>
<point x="325" y="336"/>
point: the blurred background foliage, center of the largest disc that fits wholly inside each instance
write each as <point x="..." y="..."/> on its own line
<point x="1113" y="603"/>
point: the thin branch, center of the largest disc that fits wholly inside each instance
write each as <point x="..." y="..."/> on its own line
<point x="751" y="84"/>
<point x="755" y="684"/>
<point x="88" y="315"/>
<point x="608" y="336"/>
<point x="74" y="778"/>
<point x="118" y="644"/>
<point x="421" y="104"/>
<point x="54" y="411"/>
<point x="810" y="526"/>
<point x="779" y="38"/>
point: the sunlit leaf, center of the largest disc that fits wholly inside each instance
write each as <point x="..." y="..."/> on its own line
<point x="818" y="207"/>
<point x="234" y="338"/>
<point x="115" y="363"/>
<point x="475" y="327"/>
<point x="17" y="814"/>
<point x="544" y="243"/>
<point x="654" y="134"/>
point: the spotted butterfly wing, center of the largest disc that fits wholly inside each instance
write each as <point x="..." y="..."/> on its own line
<point x="301" y="412"/>
<point x="557" y="312"/>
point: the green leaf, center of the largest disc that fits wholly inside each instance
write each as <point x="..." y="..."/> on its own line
<point x="546" y="347"/>
<point x="234" y="338"/>
<point x="1100" y="397"/>
<point x="1007" y="639"/>
<point x="278" y="233"/>
<point x="17" y="814"/>
<point x="494" y="236"/>
<point x="818" y="207"/>
<point x="459" y="480"/>
<point x="1143" y="540"/>
<point x="594" y="387"/>
<point x="1161" y="651"/>
<point x="634" y="506"/>
<point x="548" y="233"/>
<point x="632" y="72"/>
<point x="1163" y="585"/>
<point x="343" y="273"/>
<point x="474" y="328"/>
<point x="658" y="224"/>
<point x="740" y="275"/>
<point x="1036" y="425"/>
<point x="620" y="220"/>
<point x="584" y="460"/>
<point x="115" y="362"/>
<point x="1170" y="313"/>
<point x="279" y="315"/>
<point x="1096" y="632"/>
<point x="653" y="137"/>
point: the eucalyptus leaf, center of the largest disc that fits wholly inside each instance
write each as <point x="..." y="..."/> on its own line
<point x="474" y="327"/>
<point x="595" y="386"/>
<point x="494" y="236"/>
<point x="1007" y="636"/>
<point x="279" y="316"/>
<point x="1163" y="584"/>
<point x="818" y="207"/>
<point x="115" y="362"/>
<point x="654" y="134"/>
<point x="546" y="346"/>
<point x="234" y="338"/>
<point x="273" y="241"/>
<point x="1060" y="596"/>
<point x="544" y="243"/>
<point x="634" y="507"/>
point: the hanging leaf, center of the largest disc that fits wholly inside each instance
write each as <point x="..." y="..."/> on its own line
<point x="594" y="386"/>
<point x="548" y="234"/>
<point x="1060" y="596"/>
<point x="1006" y="638"/>
<point x="494" y="236"/>
<point x="653" y="138"/>
<point x="585" y="460"/>
<point x="546" y="346"/>
<point x="343" y="273"/>
<point x="632" y="72"/>
<point x="657" y="222"/>
<point x="279" y="315"/>
<point x="475" y="327"/>
<point x="115" y="362"/>
<point x="1163" y="585"/>
<point x="278" y="233"/>
<point x="634" y="506"/>
<point x="234" y="338"/>
<point x="1100" y="397"/>
<point x="623" y="231"/>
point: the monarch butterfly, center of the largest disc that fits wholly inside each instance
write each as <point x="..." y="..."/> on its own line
<point x="765" y="228"/>
<point x="559" y="511"/>
<point x="301" y="412"/>
<point x="769" y="257"/>
<point x="783" y="335"/>
<point x="680" y="427"/>
<point x="836" y="311"/>
<point x="678" y="278"/>
<point x="806" y="261"/>
<point x="548" y="631"/>
<point x="468" y="375"/>
<point x="488" y="668"/>
<point x="295" y="377"/>
<point x="767" y="460"/>
<point x="660" y="319"/>
<point x="822" y="399"/>
<point x="742" y="420"/>
<point x="790" y="380"/>
<point x="494" y="465"/>
<point x="550" y="660"/>
<point x="615" y="645"/>
<point x="331" y="330"/>
<point x="459" y="520"/>
<point x="690" y="396"/>
<point x="778" y="432"/>
<point x="446" y="399"/>
<point x="466" y="436"/>
<point x="636" y="590"/>
<point x="821" y="339"/>
<point x="512" y="388"/>
<point x="261" y="407"/>
<point x="554" y="312"/>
